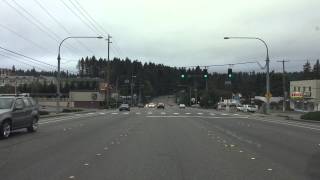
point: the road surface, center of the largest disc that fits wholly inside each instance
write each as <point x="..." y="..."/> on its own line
<point x="170" y="144"/>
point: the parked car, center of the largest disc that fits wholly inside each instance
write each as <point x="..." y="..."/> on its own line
<point x="16" y="113"/>
<point x="240" y="107"/>
<point x="124" y="107"/>
<point x="252" y="108"/>
<point x="182" y="106"/>
<point x="160" y="106"/>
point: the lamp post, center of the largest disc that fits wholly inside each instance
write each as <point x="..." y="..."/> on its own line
<point x="267" y="68"/>
<point x="59" y="59"/>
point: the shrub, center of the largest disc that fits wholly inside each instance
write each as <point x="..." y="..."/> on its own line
<point x="71" y="110"/>
<point x="311" y="116"/>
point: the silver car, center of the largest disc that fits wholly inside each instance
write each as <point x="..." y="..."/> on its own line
<point x="17" y="113"/>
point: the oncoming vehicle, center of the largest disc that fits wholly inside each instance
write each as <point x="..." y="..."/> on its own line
<point x="17" y="113"/>
<point x="152" y="105"/>
<point x="124" y="107"/>
<point x="160" y="106"/>
<point x="182" y="106"/>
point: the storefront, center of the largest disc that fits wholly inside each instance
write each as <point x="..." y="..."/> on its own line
<point x="304" y="95"/>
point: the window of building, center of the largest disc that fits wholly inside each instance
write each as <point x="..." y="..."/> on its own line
<point x="294" y="88"/>
<point x="299" y="89"/>
<point x="304" y="89"/>
<point x="310" y="88"/>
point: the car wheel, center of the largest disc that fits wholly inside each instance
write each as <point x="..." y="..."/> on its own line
<point x="34" y="125"/>
<point x="5" y="129"/>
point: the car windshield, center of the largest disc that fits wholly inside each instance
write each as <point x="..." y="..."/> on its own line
<point x="6" y="103"/>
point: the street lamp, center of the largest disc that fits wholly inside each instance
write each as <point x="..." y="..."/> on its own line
<point x="267" y="68"/>
<point x="59" y="58"/>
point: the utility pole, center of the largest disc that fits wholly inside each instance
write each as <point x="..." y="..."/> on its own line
<point x="283" y="85"/>
<point x="108" y="73"/>
<point x="132" y="85"/>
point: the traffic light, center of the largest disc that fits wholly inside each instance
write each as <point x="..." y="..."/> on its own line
<point x="205" y="76"/>
<point x="182" y="76"/>
<point x="230" y="73"/>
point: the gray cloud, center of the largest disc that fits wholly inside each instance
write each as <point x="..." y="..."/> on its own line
<point x="177" y="33"/>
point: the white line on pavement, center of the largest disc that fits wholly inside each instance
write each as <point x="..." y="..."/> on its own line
<point x="307" y="126"/>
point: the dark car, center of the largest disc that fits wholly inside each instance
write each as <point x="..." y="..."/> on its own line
<point x="160" y="106"/>
<point x="124" y="107"/>
<point x="17" y="113"/>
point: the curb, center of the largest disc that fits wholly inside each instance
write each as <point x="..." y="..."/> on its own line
<point x="64" y="114"/>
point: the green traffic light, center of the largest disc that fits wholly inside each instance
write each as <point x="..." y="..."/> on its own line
<point x="230" y="75"/>
<point x="205" y="76"/>
<point x="182" y="75"/>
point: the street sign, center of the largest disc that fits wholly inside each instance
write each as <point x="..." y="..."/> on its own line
<point x="268" y="95"/>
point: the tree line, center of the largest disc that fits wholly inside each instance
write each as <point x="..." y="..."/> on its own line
<point x="151" y="79"/>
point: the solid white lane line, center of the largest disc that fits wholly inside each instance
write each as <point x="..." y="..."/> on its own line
<point x="317" y="128"/>
<point x="205" y="117"/>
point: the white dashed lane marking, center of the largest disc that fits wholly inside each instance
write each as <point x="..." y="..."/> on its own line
<point x="224" y="114"/>
<point x="199" y="113"/>
<point x="138" y="113"/>
<point x="187" y="113"/>
<point x="163" y="113"/>
<point x="114" y="113"/>
<point x="175" y="113"/>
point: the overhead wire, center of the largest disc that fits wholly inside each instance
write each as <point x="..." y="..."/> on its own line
<point x="60" y="24"/>
<point x="30" y="58"/>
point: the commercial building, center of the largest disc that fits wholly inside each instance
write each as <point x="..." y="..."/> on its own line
<point x="305" y="95"/>
<point x="86" y="99"/>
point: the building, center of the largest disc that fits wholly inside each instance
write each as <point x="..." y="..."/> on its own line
<point x="305" y="95"/>
<point x="86" y="99"/>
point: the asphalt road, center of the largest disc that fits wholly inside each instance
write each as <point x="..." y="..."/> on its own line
<point x="170" y="144"/>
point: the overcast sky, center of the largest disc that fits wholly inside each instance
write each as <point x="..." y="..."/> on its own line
<point x="172" y="32"/>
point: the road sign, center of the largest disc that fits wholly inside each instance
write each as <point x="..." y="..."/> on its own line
<point x="268" y="95"/>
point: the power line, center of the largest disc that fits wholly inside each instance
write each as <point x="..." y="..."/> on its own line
<point x="74" y="13"/>
<point x="85" y="17"/>
<point x="96" y="24"/>
<point x="60" y="24"/>
<point x="30" y="21"/>
<point x="33" y="19"/>
<point x="27" y="57"/>
<point x="24" y="38"/>
<point x="22" y="62"/>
